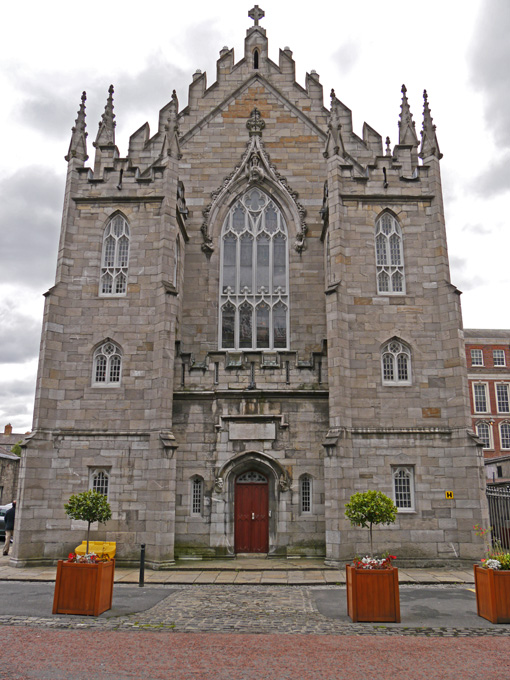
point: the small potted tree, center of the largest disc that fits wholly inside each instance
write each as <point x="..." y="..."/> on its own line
<point x="85" y="586"/>
<point x="492" y="580"/>
<point x="372" y="583"/>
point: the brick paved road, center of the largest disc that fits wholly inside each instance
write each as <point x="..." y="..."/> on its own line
<point x="39" y="654"/>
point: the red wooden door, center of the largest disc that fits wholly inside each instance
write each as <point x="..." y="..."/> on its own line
<point x="251" y="515"/>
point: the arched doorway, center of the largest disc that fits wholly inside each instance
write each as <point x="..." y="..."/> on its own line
<point x="251" y="511"/>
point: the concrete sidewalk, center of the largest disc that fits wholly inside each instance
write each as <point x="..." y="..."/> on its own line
<point x="245" y="571"/>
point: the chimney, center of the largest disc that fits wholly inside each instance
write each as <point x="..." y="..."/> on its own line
<point x="8" y="429"/>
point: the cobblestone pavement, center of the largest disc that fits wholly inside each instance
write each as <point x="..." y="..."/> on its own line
<point x="261" y="610"/>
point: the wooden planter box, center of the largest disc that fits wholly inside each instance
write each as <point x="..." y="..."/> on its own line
<point x="492" y="594"/>
<point x="84" y="589"/>
<point x="372" y="594"/>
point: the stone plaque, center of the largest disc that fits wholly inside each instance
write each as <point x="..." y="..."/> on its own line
<point x="252" y="431"/>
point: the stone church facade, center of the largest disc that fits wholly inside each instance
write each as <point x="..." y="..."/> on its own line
<point x="252" y="319"/>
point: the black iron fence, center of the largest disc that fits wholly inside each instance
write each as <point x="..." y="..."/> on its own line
<point x="498" y="499"/>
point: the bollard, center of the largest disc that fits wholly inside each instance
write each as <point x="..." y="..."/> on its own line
<point x="142" y="565"/>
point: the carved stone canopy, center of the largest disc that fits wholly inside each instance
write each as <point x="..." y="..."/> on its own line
<point x="255" y="168"/>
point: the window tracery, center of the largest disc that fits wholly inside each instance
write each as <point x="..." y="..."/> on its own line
<point x="115" y="257"/>
<point x="254" y="301"/>
<point x="389" y="256"/>
<point x="107" y="365"/>
<point x="396" y="363"/>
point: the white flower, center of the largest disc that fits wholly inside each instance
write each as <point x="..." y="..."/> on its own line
<point x="492" y="564"/>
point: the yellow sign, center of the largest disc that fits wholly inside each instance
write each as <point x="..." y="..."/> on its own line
<point x="449" y="495"/>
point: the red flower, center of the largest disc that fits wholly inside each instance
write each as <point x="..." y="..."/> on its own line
<point x="71" y="557"/>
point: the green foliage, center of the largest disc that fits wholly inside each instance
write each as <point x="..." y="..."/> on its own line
<point x="370" y="507"/>
<point x="16" y="449"/>
<point x="493" y="548"/>
<point x="89" y="506"/>
<point x="504" y="560"/>
<point x="367" y="508"/>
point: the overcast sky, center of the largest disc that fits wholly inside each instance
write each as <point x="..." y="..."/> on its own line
<point x="459" y="51"/>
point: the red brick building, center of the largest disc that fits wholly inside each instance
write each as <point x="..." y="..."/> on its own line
<point x="488" y="360"/>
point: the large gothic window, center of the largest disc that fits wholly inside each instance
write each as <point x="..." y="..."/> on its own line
<point x="115" y="256"/>
<point x="389" y="256"/>
<point x="254" y="298"/>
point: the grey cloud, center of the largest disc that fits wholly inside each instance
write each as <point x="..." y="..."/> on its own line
<point x="16" y="404"/>
<point x="489" y="61"/>
<point x="495" y="180"/>
<point x="19" y="334"/>
<point x="30" y="209"/>
<point x="21" y="388"/>
<point x="477" y="229"/>
<point x="462" y="276"/>
<point x="50" y="99"/>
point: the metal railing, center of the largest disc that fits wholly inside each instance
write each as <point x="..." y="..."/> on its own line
<point x="498" y="499"/>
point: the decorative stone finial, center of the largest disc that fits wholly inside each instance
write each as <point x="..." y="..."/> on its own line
<point x="171" y="141"/>
<point x="255" y="123"/>
<point x="406" y="127"/>
<point x="388" y="149"/>
<point x="429" y="144"/>
<point x="78" y="145"/>
<point x="256" y="14"/>
<point x="334" y="142"/>
<point x="106" y="132"/>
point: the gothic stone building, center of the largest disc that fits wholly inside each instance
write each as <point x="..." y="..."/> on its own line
<point x="252" y="319"/>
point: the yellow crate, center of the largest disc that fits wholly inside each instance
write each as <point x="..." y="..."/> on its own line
<point x="100" y="548"/>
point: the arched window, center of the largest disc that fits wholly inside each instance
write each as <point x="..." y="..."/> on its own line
<point x="483" y="430"/>
<point x="100" y="480"/>
<point x="403" y="487"/>
<point x="305" y="494"/>
<point x="389" y="256"/>
<point x="504" y="432"/>
<point x="197" y="495"/>
<point x="396" y="363"/>
<point x="254" y="300"/>
<point x="107" y="365"/>
<point x="115" y="257"/>
<point x="255" y="58"/>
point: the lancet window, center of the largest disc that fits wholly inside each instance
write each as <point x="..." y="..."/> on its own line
<point x="115" y="257"/>
<point x="254" y="299"/>
<point x="389" y="256"/>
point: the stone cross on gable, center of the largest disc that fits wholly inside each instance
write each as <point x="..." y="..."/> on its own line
<point x="256" y="13"/>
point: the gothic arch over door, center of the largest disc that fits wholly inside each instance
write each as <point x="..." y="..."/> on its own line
<point x="251" y="512"/>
